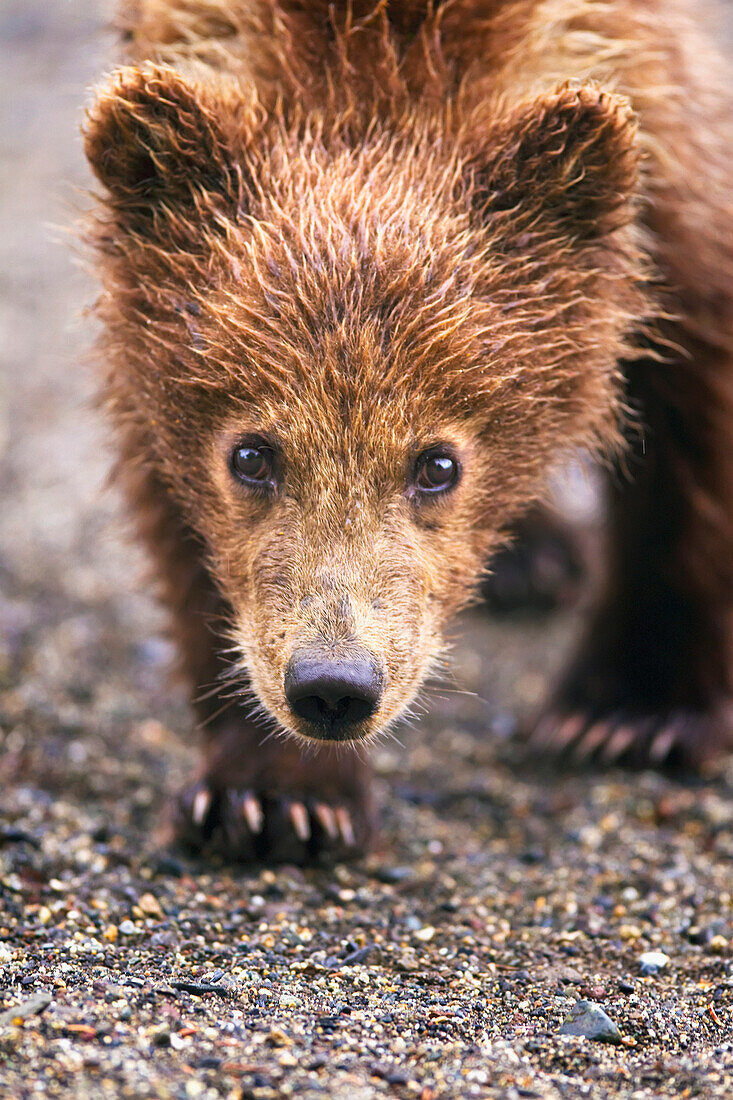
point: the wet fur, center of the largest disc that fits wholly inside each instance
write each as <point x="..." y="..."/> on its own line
<point x="500" y="224"/>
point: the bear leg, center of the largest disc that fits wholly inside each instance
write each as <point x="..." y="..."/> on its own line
<point x="539" y="571"/>
<point x="651" y="682"/>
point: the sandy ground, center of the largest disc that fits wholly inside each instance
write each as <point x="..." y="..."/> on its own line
<point x="444" y="964"/>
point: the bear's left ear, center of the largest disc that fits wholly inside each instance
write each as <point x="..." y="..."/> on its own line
<point x="564" y="165"/>
<point x="155" y="143"/>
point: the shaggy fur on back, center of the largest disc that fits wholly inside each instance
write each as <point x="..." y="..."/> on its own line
<point x="356" y="232"/>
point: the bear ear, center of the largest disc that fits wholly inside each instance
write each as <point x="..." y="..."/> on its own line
<point x="564" y="165"/>
<point x="153" y="140"/>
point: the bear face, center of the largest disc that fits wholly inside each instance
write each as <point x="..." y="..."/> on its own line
<point x="350" y="362"/>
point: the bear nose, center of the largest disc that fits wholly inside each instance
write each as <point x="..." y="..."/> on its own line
<point x="333" y="696"/>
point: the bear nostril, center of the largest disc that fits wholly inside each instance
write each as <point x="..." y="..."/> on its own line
<point x="333" y="695"/>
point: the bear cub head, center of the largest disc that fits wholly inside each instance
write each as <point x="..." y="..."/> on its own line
<point x="349" y="357"/>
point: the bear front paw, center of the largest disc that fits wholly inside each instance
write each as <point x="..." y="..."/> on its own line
<point x="677" y="737"/>
<point x="250" y="826"/>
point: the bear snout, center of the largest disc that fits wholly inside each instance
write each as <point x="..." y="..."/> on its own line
<point x="334" y="697"/>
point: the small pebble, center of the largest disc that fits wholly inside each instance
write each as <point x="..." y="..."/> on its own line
<point x="651" y="962"/>
<point x="589" y="1020"/>
<point x="395" y="874"/>
<point x="355" y="958"/>
<point x="33" y="1006"/>
<point x="278" y="1038"/>
<point x="150" y="906"/>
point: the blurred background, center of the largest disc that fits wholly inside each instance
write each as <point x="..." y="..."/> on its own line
<point x="68" y="581"/>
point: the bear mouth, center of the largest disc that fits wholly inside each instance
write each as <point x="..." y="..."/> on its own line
<point x="333" y="728"/>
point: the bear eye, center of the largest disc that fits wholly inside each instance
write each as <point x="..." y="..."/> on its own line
<point x="253" y="464"/>
<point x="436" y="471"/>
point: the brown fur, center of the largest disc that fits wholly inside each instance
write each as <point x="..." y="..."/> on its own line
<point x="362" y="229"/>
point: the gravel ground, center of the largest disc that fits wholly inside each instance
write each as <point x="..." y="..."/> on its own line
<point x="443" y="965"/>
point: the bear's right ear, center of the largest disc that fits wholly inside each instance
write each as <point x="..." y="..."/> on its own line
<point x="155" y="143"/>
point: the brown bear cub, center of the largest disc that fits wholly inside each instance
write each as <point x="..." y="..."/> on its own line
<point x="369" y="269"/>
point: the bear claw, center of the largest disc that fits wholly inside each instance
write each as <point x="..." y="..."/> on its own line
<point x="252" y="812"/>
